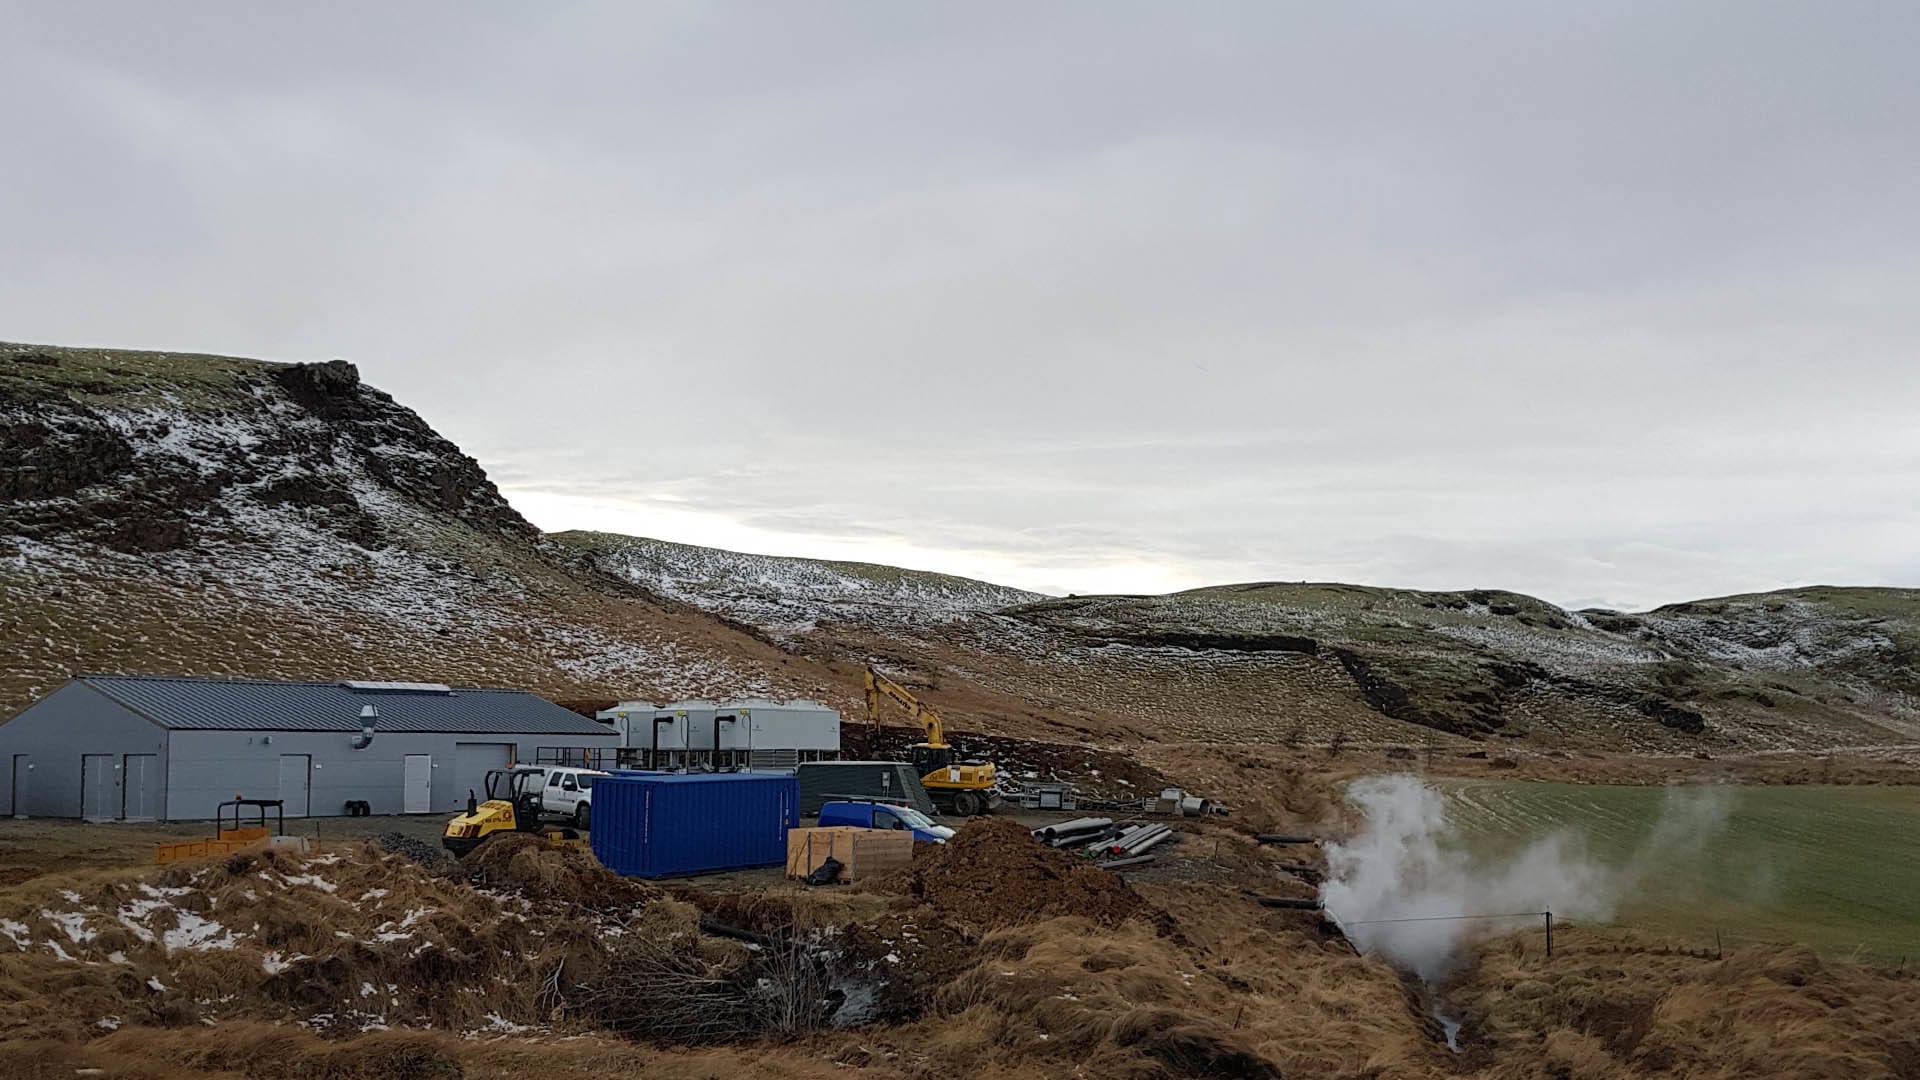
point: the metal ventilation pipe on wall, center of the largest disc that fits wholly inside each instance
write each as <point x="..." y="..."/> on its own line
<point x="714" y="764"/>
<point x="657" y="721"/>
<point x="368" y="717"/>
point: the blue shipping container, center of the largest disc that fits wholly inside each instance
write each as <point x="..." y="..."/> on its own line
<point x="666" y="824"/>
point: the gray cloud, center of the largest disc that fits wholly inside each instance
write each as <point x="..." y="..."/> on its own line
<point x="1609" y="304"/>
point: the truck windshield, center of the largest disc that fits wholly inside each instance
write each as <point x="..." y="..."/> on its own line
<point x="914" y="818"/>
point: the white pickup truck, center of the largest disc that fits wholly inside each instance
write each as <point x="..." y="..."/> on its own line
<point x="569" y="791"/>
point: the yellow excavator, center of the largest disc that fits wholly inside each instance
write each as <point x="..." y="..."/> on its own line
<point x="512" y="806"/>
<point x="965" y="788"/>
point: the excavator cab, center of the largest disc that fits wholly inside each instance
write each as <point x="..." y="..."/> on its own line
<point x="931" y="759"/>
<point x="960" y="787"/>
<point x="513" y="805"/>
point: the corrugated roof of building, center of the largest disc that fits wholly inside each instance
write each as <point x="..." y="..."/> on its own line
<point x="189" y="703"/>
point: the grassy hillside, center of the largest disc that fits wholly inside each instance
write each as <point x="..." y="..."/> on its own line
<point x="124" y="378"/>
<point x="1286" y="662"/>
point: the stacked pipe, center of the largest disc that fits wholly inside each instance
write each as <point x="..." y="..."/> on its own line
<point x="1076" y="827"/>
<point x="1080" y="832"/>
<point x="1139" y="839"/>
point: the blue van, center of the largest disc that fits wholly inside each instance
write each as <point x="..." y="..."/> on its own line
<point x="866" y="815"/>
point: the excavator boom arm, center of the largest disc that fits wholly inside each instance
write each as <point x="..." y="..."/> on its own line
<point x="929" y="721"/>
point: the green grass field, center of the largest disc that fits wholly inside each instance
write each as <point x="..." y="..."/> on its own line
<point x="1834" y="867"/>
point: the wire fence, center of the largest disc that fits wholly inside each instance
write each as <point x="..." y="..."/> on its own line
<point x="1715" y="945"/>
<point x="1546" y="916"/>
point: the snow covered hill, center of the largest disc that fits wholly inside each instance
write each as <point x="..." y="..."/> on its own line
<point x="170" y="513"/>
<point x="788" y="596"/>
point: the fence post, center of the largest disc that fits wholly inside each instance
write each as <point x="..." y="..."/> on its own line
<point x="1549" y="916"/>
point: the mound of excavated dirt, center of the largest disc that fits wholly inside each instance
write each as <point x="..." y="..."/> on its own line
<point x="548" y="875"/>
<point x="993" y="874"/>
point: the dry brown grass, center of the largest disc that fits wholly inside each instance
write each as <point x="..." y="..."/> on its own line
<point x="1615" y="1005"/>
<point x="254" y="1051"/>
<point x="349" y="939"/>
<point x="1217" y="986"/>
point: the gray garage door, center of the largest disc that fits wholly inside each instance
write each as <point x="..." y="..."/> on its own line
<point x="471" y="760"/>
<point x="140" y="795"/>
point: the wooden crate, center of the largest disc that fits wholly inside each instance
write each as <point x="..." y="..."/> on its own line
<point x="862" y="852"/>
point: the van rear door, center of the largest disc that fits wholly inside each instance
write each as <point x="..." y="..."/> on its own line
<point x="850" y="814"/>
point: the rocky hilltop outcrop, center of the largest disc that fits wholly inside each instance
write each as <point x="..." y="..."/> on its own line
<point x="109" y="454"/>
<point x="162" y="512"/>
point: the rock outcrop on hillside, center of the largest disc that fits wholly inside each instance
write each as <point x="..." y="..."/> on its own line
<point x="210" y="515"/>
<point x="92" y="457"/>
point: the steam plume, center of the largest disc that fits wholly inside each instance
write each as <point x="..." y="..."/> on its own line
<point x="1405" y="864"/>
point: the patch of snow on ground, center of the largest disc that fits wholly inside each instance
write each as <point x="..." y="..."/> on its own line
<point x="273" y="963"/>
<point x="314" y="880"/>
<point x="74" y="923"/>
<point x="392" y="931"/>
<point x="196" y="933"/>
<point x="500" y="1025"/>
<point x="1567" y="652"/>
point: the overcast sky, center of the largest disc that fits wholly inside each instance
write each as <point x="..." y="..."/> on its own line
<point x="1614" y="303"/>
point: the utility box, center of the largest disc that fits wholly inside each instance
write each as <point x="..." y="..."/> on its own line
<point x="755" y="732"/>
<point x="862" y="853"/>
<point x="876" y="781"/>
<point x="656" y="825"/>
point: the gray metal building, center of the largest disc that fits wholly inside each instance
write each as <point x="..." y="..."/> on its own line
<point x="107" y="747"/>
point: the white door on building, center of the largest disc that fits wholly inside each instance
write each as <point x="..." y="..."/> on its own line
<point x="99" y="787"/>
<point x="296" y="783"/>
<point x="416" y="796"/>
